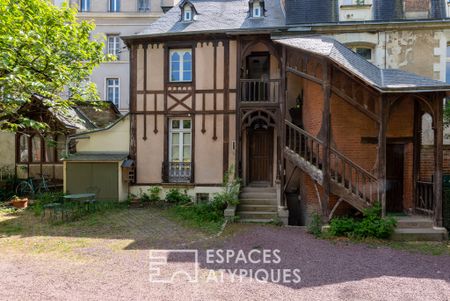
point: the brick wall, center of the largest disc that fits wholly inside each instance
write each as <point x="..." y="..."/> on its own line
<point x="427" y="162"/>
<point x="312" y="107"/>
<point x="417" y="5"/>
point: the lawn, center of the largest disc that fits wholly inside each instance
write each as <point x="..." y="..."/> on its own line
<point x="23" y="232"/>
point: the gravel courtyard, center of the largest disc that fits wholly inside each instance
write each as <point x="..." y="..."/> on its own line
<point x="96" y="265"/>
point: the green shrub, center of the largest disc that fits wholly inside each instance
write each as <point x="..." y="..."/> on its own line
<point x="315" y="225"/>
<point x="342" y="226"/>
<point x="152" y="194"/>
<point x="176" y="197"/>
<point x="371" y="225"/>
<point x="230" y="190"/>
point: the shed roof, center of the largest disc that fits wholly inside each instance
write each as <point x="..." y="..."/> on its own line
<point x="383" y="79"/>
<point x="96" y="157"/>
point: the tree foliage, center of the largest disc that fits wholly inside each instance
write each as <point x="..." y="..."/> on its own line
<point x="46" y="51"/>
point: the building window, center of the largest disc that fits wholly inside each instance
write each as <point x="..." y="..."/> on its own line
<point x="85" y="5"/>
<point x="114" y="5"/>
<point x="256" y="10"/>
<point x="187" y="13"/>
<point x="180" y="140"/>
<point x="36" y="149"/>
<point x="24" y="149"/>
<point x="365" y="52"/>
<point x="52" y="147"/>
<point x="113" y="91"/>
<point x="143" y="5"/>
<point x="113" y="45"/>
<point x="181" y="65"/>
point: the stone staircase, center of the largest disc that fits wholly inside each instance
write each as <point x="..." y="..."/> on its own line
<point x="417" y="228"/>
<point x="257" y="205"/>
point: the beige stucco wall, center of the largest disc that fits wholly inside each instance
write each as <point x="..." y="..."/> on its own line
<point x="113" y="140"/>
<point x="7" y="150"/>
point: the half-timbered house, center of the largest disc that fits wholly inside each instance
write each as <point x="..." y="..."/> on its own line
<point x="222" y="83"/>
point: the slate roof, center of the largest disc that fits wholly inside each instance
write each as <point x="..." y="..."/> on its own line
<point x="216" y="16"/>
<point x="311" y="11"/>
<point x="383" y="79"/>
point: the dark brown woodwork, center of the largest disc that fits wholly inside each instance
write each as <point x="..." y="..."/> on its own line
<point x="438" y="142"/>
<point x="394" y="177"/>
<point x="384" y="117"/>
<point x="260" y="155"/>
<point x="145" y="88"/>
<point x="133" y="99"/>
<point x="326" y="125"/>
<point x="226" y="106"/>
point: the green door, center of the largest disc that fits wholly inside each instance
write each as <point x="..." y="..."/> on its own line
<point x="101" y="178"/>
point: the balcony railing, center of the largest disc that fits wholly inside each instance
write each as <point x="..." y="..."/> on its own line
<point x="424" y="197"/>
<point x="260" y="90"/>
<point x="177" y="172"/>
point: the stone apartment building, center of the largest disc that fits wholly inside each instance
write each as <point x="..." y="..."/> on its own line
<point x="114" y="18"/>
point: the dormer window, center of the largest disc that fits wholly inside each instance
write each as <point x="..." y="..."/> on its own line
<point x="187" y="16"/>
<point x="256" y="8"/>
<point x="188" y="11"/>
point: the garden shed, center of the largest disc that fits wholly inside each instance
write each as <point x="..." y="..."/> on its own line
<point x="102" y="174"/>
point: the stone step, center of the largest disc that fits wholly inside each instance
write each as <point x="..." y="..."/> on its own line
<point x="413" y="222"/>
<point x="256" y="220"/>
<point x="259" y="189"/>
<point x="257" y="215"/>
<point x="258" y="195"/>
<point x="272" y="202"/>
<point x="254" y="207"/>
<point x="420" y="234"/>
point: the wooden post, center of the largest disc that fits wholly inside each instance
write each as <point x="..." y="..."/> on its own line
<point x="384" y="117"/>
<point x="326" y="122"/>
<point x="282" y="94"/>
<point x="438" y="155"/>
<point x="417" y="144"/>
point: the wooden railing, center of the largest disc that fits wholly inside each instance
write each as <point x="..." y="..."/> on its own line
<point x="342" y="170"/>
<point x="424" y="197"/>
<point x="260" y="90"/>
<point x="177" y="172"/>
<point x="305" y="145"/>
<point x="353" y="177"/>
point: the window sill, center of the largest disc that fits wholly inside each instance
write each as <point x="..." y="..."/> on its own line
<point x="356" y="6"/>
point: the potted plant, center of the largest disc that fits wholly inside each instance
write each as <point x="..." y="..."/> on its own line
<point x="19" y="203"/>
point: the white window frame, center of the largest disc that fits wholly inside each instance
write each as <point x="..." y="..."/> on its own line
<point x="114" y="87"/>
<point x="256" y="10"/>
<point x="85" y="5"/>
<point x="187" y="13"/>
<point x="113" y="47"/>
<point x="182" y="134"/>
<point x="114" y="6"/>
<point x="181" y="53"/>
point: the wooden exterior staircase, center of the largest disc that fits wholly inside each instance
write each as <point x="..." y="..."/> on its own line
<point x="347" y="180"/>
